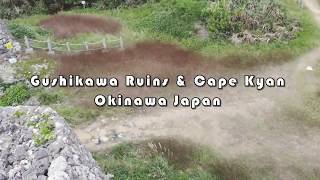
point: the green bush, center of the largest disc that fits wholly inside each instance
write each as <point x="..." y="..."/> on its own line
<point x="19" y="31"/>
<point x="14" y="95"/>
<point x="218" y="20"/>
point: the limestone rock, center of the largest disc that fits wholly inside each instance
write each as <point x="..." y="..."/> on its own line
<point x="62" y="158"/>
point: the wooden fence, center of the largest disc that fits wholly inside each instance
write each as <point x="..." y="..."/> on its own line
<point x="52" y="47"/>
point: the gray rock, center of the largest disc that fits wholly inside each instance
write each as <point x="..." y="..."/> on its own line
<point x="20" y="153"/>
<point x="62" y="158"/>
<point x="29" y="175"/>
<point x="58" y="164"/>
<point x="41" y="166"/>
<point x="42" y="177"/>
<point x="59" y="175"/>
<point x="3" y="175"/>
<point x="41" y="153"/>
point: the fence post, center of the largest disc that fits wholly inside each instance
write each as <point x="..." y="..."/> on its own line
<point x="68" y="46"/>
<point x="87" y="46"/>
<point x="50" y="51"/>
<point x="121" y="42"/>
<point x="29" y="48"/>
<point x="104" y="43"/>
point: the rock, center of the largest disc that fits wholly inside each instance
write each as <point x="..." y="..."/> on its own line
<point x="3" y="176"/>
<point x="96" y="141"/>
<point x="309" y="68"/>
<point x="25" y="164"/>
<point x="104" y="139"/>
<point x="61" y="158"/>
<point x="12" y="60"/>
<point x="41" y="166"/>
<point x="59" y="175"/>
<point x="42" y="153"/>
<point x="20" y="153"/>
<point x="42" y="177"/>
<point x="58" y="164"/>
<point x="29" y="175"/>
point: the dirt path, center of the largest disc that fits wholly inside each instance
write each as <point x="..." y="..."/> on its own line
<point x="251" y="125"/>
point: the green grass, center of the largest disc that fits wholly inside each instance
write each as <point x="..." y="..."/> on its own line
<point x="45" y="129"/>
<point x="168" y="159"/>
<point x="133" y="17"/>
<point x="135" y="30"/>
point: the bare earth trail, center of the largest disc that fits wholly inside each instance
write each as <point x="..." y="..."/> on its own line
<point x="251" y="125"/>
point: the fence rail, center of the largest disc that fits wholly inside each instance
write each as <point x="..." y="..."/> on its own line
<point x="53" y="47"/>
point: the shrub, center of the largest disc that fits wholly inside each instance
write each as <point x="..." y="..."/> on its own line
<point x="260" y="17"/>
<point x="218" y="19"/>
<point x="19" y="31"/>
<point x="15" y="94"/>
<point x="10" y="9"/>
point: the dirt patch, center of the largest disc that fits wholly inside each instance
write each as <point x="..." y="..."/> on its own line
<point x="156" y="58"/>
<point x="65" y="26"/>
<point x="147" y="57"/>
<point x="153" y="58"/>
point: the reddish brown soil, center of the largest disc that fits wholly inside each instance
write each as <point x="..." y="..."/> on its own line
<point x="65" y="26"/>
<point x="147" y="57"/>
<point x="154" y="58"/>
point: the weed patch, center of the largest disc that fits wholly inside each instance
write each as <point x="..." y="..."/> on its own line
<point x="44" y="130"/>
<point x="15" y="95"/>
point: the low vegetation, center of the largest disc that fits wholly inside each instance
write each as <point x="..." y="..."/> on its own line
<point x="44" y="130"/>
<point x="168" y="159"/>
<point x="287" y="28"/>
<point x="15" y="95"/>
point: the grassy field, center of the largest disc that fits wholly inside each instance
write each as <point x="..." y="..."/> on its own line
<point x="139" y="27"/>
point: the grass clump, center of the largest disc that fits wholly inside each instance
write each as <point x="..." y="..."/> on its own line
<point x="47" y="98"/>
<point x="45" y="130"/>
<point x="15" y="95"/>
<point x="168" y="159"/>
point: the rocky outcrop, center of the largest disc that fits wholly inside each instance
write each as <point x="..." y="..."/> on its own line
<point x="5" y="37"/>
<point x="7" y="72"/>
<point x="28" y="150"/>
